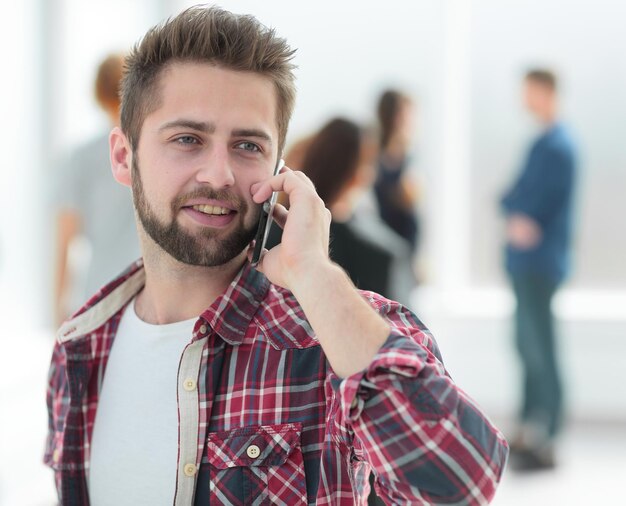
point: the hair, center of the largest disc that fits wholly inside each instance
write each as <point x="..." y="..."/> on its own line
<point x="543" y="77"/>
<point x="108" y="79"/>
<point x="389" y="105"/>
<point x="332" y="158"/>
<point x="211" y="35"/>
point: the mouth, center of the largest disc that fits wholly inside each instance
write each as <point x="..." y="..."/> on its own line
<point x="212" y="210"/>
<point x="211" y="216"/>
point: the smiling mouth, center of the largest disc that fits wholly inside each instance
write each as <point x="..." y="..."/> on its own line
<point x="212" y="210"/>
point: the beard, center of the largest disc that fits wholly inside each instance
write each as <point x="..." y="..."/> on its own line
<point x="206" y="248"/>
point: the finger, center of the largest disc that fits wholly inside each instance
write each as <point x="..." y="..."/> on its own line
<point x="287" y="181"/>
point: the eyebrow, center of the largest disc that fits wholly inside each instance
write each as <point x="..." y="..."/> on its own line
<point x="251" y="132"/>
<point x="199" y="126"/>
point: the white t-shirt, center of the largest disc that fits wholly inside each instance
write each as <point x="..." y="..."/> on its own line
<point x="134" y="447"/>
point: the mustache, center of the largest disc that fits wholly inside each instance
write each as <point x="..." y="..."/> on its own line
<point x="211" y="194"/>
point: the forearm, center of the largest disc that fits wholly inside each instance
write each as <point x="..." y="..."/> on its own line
<point x="349" y="330"/>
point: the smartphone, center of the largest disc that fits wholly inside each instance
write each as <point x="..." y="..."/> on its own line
<point x="265" y="222"/>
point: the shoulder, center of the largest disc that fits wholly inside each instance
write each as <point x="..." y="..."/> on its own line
<point x="559" y="142"/>
<point x="402" y="321"/>
<point x="93" y="148"/>
<point x="397" y="313"/>
<point x="104" y="304"/>
<point x="88" y="160"/>
<point x="282" y="320"/>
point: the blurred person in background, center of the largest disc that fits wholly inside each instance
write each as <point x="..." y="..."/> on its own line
<point x="538" y="210"/>
<point x="395" y="190"/>
<point x="91" y="205"/>
<point x="340" y="160"/>
<point x="197" y="378"/>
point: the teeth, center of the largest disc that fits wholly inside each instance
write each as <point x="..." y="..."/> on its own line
<point x="212" y="209"/>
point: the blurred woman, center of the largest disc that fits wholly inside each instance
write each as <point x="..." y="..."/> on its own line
<point x="395" y="192"/>
<point x="340" y="160"/>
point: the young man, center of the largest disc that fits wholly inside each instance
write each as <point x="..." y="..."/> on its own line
<point x="538" y="209"/>
<point x="194" y="378"/>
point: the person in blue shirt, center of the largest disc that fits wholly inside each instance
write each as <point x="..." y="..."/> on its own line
<point x="538" y="210"/>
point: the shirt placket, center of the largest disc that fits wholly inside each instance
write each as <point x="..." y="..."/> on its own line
<point x="75" y="448"/>
<point x="195" y="398"/>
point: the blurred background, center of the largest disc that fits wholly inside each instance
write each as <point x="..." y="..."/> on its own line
<point x="462" y="63"/>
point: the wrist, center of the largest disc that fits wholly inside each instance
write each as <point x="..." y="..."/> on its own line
<point x="316" y="276"/>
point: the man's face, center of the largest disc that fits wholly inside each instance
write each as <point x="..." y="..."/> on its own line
<point x="537" y="97"/>
<point x="213" y="135"/>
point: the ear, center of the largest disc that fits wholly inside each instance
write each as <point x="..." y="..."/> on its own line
<point x="121" y="156"/>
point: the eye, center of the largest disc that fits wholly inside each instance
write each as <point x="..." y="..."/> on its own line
<point x="186" y="140"/>
<point x="248" y="146"/>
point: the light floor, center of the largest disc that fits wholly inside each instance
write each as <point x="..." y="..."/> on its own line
<point x="591" y="471"/>
<point x="592" y="468"/>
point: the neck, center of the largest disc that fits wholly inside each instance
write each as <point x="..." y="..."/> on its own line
<point x="175" y="291"/>
<point x="548" y="116"/>
<point x="344" y="206"/>
<point x="397" y="148"/>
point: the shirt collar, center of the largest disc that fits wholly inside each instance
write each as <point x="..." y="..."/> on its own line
<point x="231" y="313"/>
<point x="102" y="306"/>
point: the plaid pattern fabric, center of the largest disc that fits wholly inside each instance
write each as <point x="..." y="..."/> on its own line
<point x="263" y="419"/>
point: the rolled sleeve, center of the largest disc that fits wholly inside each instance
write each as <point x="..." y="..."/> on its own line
<point x="425" y="439"/>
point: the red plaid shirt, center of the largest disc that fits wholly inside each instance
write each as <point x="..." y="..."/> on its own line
<point x="264" y="420"/>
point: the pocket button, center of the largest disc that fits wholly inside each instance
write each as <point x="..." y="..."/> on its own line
<point x="253" y="451"/>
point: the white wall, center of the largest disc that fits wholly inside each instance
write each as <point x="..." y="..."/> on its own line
<point x="348" y="51"/>
<point x="20" y="103"/>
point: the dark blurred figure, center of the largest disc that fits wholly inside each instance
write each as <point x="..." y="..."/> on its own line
<point x="339" y="162"/>
<point x="91" y="204"/>
<point x="396" y="192"/>
<point x="538" y="209"/>
<point x="335" y="159"/>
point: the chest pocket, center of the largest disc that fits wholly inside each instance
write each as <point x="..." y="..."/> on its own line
<point x="259" y="465"/>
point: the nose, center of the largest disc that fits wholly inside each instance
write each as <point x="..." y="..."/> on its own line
<point x="215" y="170"/>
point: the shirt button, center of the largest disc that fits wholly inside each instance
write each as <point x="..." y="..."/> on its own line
<point x="253" y="451"/>
<point x="189" y="385"/>
<point x="190" y="470"/>
<point x="203" y="329"/>
<point x="55" y="455"/>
